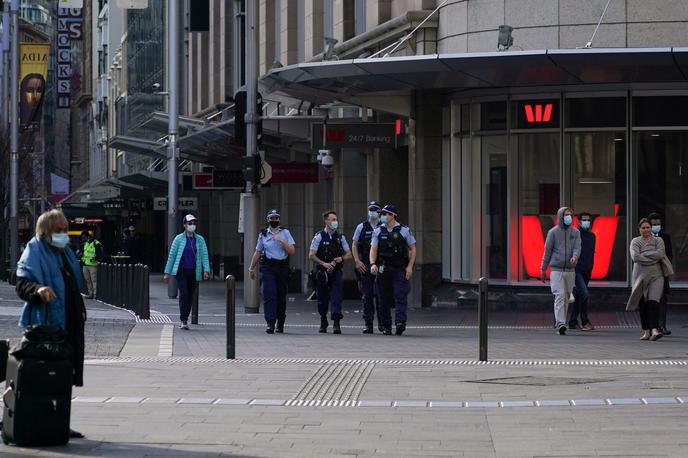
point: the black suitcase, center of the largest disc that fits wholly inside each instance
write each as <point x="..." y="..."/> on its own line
<point x="37" y="399"/>
<point x="4" y="349"/>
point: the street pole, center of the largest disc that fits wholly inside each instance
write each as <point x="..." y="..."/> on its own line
<point x="14" y="140"/>
<point x="5" y="64"/>
<point x="251" y="196"/>
<point x="173" y="126"/>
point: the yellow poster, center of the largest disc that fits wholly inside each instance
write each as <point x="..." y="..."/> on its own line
<point x="33" y="73"/>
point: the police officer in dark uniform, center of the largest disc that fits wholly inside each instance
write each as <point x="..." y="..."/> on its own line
<point x="366" y="281"/>
<point x="329" y="249"/>
<point x="274" y="246"/>
<point x="392" y="256"/>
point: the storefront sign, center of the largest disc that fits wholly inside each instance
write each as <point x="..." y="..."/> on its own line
<point x="537" y="114"/>
<point x="69" y="28"/>
<point x="185" y="203"/>
<point x="219" y="179"/>
<point x="295" y="172"/>
<point x="32" y="76"/>
<point x="354" y="135"/>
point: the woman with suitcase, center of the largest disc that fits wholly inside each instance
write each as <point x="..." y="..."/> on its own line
<point x="49" y="280"/>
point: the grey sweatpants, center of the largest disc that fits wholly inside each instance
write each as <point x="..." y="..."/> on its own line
<point x="562" y="284"/>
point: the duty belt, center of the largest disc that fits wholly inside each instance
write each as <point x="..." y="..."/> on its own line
<point x="275" y="262"/>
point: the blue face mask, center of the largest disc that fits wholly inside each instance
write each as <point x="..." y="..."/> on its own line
<point x="568" y="219"/>
<point x="384" y="219"/>
<point x="191" y="228"/>
<point x="656" y="228"/>
<point x="373" y="215"/>
<point x="334" y="225"/>
<point x="59" y="240"/>
<point x="585" y="225"/>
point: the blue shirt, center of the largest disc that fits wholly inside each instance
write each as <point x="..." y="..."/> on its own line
<point x="318" y="238"/>
<point x="405" y="232"/>
<point x="189" y="255"/>
<point x="271" y="247"/>
<point x="359" y="230"/>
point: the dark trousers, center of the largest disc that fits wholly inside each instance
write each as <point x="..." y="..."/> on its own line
<point x="663" y="305"/>
<point x="274" y="279"/>
<point x="187" y="284"/>
<point x="649" y="314"/>
<point x="368" y="290"/>
<point x="393" y="289"/>
<point x="580" y="306"/>
<point x="330" y="291"/>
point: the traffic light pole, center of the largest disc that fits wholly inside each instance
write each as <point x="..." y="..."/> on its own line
<point x="14" y="138"/>
<point x="172" y="127"/>
<point x="251" y="198"/>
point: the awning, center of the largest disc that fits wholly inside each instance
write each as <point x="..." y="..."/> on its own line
<point x="321" y="82"/>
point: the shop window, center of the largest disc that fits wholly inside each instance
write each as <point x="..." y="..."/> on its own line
<point x="536" y="114"/>
<point x="663" y="188"/>
<point x="493" y="115"/>
<point x="465" y="119"/>
<point x="494" y="203"/>
<point x="596" y="112"/>
<point x="660" y="111"/>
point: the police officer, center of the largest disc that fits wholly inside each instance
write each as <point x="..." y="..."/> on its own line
<point x="329" y="249"/>
<point x="366" y="281"/>
<point x="392" y="255"/>
<point x="274" y="246"/>
<point x="91" y="254"/>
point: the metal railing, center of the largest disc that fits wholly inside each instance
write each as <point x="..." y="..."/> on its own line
<point x="126" y="286"/>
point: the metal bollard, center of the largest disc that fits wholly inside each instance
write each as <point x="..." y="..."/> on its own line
<point x="194" y="304"/>
<point x="230" y="299"/>
<point x="145" y="302"/>
<point x="482" y="318"/>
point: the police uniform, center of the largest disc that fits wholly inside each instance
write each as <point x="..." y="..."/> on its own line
<point x="363" y="236"/>
<point x="392" y="258"/>
<point x="274" y="270"/>
<point x="327" y="246"/>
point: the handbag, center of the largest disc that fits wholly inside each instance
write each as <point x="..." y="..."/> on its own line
<point x="45" y="342"/>
<point x="667" y="268"/>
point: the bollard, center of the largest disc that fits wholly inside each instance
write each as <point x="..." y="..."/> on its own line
<point x="482" y="318"/>
<point x="230" y="299"/>
<point x="99" y="281"/>
<point x="145" y="303"/>
<point x="194" y="304"/>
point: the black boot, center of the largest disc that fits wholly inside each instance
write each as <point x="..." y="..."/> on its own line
<point x="335" y="328"/>
<point x="368" y="328"/>
<point x="401" y="327"/>
<point x="387" y="330"/>
<point x="271" y="328"/>
<point x="280" y="327"/>
<point x="323" y="324"/>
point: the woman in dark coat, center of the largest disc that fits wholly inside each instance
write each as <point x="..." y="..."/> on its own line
<point x="49" y="280"/>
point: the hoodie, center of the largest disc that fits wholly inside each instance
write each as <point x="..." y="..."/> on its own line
<point x="562" y="243"/>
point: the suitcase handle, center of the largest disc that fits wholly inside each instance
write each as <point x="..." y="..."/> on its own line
<point x="9" y="389"/>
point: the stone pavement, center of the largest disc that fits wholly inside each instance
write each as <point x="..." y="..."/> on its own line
<point x="172" y="393"/>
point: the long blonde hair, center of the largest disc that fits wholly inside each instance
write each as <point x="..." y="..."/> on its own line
<point x="47" y="220"/>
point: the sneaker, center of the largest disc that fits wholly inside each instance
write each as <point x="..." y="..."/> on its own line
<point x="588" y="327"/>
<point x="562" y="330"/>
<point x="387" y="330"/>
<point x="401" y="327"/>
<point x="184" y="325"/>
<point x="665" y="331"/>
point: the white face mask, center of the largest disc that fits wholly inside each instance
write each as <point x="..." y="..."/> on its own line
<point x="585" y="225"/>
<point x="334" y="225"/>
<point x="191" y="228"/>
<point x="59" y="240"/>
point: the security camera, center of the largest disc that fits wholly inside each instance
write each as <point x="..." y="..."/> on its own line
<point x="327" y="160"/>
<point x="156" y="86"/>
<point x="321" y="154"/>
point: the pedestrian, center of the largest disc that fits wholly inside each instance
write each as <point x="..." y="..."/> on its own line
<point x="133" y="246"/>
<point x="647" y="281"/>
<point x="392" y="256"/>
<point x="329" y="249"/>
<point x="363" y="235"/>
<point x="562" y="250"/>
<point x="275" y="245"/>
<point x="584" y="267"/>
<point x="91" y="253"/>
<point x="659" y="231"/>
<point x="48" y="273"/>
<point x="188" y="261"/>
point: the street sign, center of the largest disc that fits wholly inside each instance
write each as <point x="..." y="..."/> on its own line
<point x="219" y="179"/>
<point x="185" y="203"/>
<point x="354" y="135"/>
<point x="266" y="172"/>
<point x="295" y="172"/>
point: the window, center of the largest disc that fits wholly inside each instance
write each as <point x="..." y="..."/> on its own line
<point x="596" y="112"/>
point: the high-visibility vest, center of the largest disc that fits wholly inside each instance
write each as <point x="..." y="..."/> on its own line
<point x="89" y="256"/>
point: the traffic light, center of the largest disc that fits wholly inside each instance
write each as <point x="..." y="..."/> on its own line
<point x="240" y="106"/>
<point x="252" y="168"/>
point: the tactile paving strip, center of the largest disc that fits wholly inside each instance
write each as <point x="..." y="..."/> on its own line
<point x="334" y="382"/>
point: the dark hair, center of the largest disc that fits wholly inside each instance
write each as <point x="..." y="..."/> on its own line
<point x="328" y="213"/>
<point x="643" y="221"/>
<point x="86" y="233"/>
<point x="654" y="215"/>
<point x="582" y="214"/>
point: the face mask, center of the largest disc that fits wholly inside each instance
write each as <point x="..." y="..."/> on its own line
<point x="191" y="228"/>
<point x="59" y="240"/>
<point x="585" y="225"/>
<point x="334" y="225"/>
<point x="656" y="228"/>
<point x="568" y="219"/>
<point x="384" y="219"/>
<point x="274" y="224"/>
<point x="373" y="215"/>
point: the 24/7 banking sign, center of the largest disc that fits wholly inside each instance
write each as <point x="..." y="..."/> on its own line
<point x="354" y="135"/>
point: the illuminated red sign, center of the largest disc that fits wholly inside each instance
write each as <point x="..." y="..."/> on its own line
<point x="538" y="113"/>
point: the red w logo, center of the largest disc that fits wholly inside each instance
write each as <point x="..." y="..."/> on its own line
<point x="536" y="114"/>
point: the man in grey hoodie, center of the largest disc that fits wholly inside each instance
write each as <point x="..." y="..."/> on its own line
<point x="562" y="250"/>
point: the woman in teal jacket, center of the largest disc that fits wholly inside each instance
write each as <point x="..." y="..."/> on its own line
<point x="188" y="261"/>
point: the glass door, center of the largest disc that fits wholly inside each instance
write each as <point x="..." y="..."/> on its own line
<point x="494" y="206"/>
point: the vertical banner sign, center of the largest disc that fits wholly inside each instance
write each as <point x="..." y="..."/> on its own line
<point x="33" y="73"/>
<point x="69" y="28"/>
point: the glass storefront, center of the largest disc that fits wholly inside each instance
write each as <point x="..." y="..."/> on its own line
<point x="524" y="157"/>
